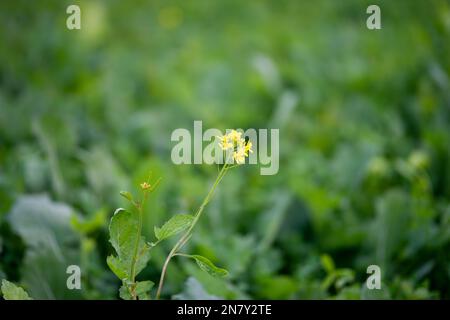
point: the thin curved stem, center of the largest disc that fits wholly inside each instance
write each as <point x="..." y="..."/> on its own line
<point x="182" y="255"/>
<point x="183" y="240"/>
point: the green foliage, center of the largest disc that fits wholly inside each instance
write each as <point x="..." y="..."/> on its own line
<point x="89" y="225"/>
<point x="364" y="145"/>
<point x="12" y="292"/>
<point x="126" y="195"/>
<point x="141" y="290"/>
<point x="133" y="253"/>
<point x="193" y="290"/>
<point x="51" y="245"/>
<point x="175" y="225"/>
<point x="207" y="266"/>
<point x="124" y="233"/>
<point x="339" y="277"/>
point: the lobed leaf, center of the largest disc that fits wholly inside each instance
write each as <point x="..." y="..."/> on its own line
<point x="142" y="289"/>
<point x="12" y="292"/>
<point x="124" y="292"/>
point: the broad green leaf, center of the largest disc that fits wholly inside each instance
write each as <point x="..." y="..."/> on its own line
<point x="12" y="292"/>
<point x="393" y="212"/>
<point x="42" y="222"/>
<point x="143" y="289"/>
<point x="207" y="266"/>
<point x="117" y="267"/>
<point x="175" y="225"/>
<point x="143" y="255"/>
<point x="123" y="231"/>
<point x="126" y="195"/>
<point x="51" y="246"/>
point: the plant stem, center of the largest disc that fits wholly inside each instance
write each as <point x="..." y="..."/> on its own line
<point x="183" y="240"/>
<point x="139" y="207"/>
<point x="182" y="255"/>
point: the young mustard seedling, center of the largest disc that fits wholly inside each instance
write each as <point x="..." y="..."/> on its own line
<point x="133" y="252"/>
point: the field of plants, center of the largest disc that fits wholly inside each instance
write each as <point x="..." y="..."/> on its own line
<point x="364" y="154"/>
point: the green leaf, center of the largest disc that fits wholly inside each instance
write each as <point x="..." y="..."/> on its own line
<point x="12" y="292"/>
<point x="142" y="289"/>
<point x="117" y="267"/>
<point x="207" y="266"/>
<point x="143" y="255"/>
<point x="51" y="246"/>
<point x="345" y="276"/>
<point x="126" y="195"/>
<point x="124" y="292"/>
<point x="393" y="213"/>
<point x="123" y="231"/>
<point x="90" y="224"/>
<point x="277" y="287"/>
<point x="327" y="263"/>
<point x="175" y="225"/>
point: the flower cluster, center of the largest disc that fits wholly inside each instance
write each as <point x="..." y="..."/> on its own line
<point x="145" y="185"/>
<point x="234" y="141"/>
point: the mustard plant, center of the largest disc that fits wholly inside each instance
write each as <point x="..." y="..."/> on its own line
<point x="133" y="251"/>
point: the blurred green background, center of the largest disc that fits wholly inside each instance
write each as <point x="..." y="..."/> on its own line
<point x="364" y="119"/>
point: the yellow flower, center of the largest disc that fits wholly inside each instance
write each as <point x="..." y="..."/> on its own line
<point x="145" y="186"/>
<point x="235" y="136"/>
<point x="239" y="156"/>
<point x="225" y="142"/>
<point x="248" y="148"/>
<point x="233" y="140"/>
